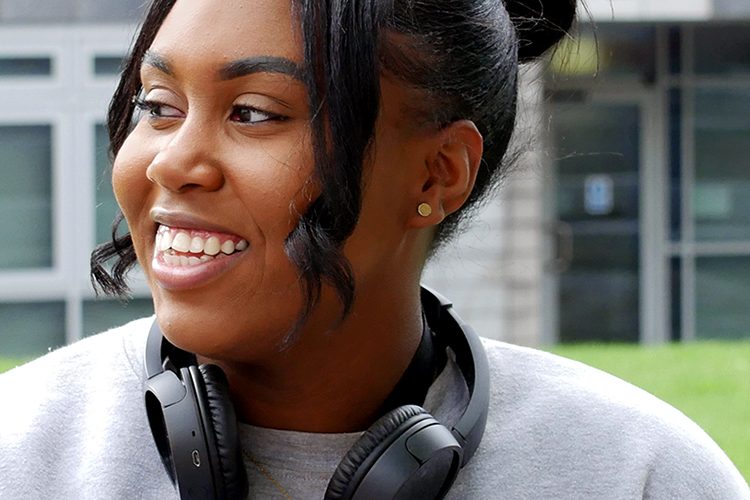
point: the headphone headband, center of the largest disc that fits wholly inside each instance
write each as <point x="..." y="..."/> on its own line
<point x="471" y="360"/>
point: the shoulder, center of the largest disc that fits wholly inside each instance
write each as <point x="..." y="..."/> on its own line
<point x="114" y="354"/>
<point x="76" y="411"/>
<point x="554" y="414"/>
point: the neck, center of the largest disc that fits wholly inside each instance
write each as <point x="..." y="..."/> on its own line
<point x="333" y="380"/>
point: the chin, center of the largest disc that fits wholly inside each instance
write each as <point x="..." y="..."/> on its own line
<point x="207" y="330"/>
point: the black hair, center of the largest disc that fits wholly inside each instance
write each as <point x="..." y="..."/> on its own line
<point x="461" y="56"/>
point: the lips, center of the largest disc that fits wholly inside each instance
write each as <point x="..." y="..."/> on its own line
<point x="189" y="257"/>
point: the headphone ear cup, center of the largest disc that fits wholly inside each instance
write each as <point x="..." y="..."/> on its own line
<point x="382" y="429"/>
<point x="221" y="422"/>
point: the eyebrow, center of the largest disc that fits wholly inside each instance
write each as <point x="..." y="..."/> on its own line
<point x="236" y="69"/>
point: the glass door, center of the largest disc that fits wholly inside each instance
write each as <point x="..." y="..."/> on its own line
<point x="595" y="207"/>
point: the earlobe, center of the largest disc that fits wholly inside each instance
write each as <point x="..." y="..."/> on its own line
<point x="449" y="174"/>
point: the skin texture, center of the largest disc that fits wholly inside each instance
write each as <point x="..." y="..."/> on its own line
<point x="201" y="155"/>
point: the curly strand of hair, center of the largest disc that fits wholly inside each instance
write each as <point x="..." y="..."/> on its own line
<point x="319" y="260"/>
<point x="113" y="282"/>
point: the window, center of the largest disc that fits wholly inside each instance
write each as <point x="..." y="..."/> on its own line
<point x="721" y="297"/>
<point x="100" y="315"/>
<point x="721" y="205"/>
<point x="107" y="65"/>
<point x="25" y="196"/>
<point x="722" y="50"/>
<point x="106" y="205"/>
<point x="31" y="329"/>
<point x="25" y="66"/>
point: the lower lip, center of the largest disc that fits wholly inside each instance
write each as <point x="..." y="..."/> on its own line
<point x="187" y="277"/>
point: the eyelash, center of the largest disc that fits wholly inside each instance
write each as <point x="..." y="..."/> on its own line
<point x="154" y="109"/>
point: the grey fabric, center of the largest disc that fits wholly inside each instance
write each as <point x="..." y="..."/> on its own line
<point x="73" y="426"/>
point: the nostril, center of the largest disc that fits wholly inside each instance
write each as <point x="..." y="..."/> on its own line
<point x="189" y="187"/>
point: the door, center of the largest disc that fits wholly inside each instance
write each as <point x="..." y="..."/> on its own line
<point x="595" y="285"/>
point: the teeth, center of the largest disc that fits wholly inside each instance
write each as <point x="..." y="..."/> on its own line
<point x="181" y="242"/>
<point x="196" y="245"/>
<point x="212" y="246"/>
<point x="227" y="247"/>
<point x="165" y="241"/>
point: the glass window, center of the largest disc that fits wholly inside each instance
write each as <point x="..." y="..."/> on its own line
<point x="618" y="51"/>
<point x="31" y="329"/>
<point x="101" y="315"/>
<point x="25" y="196"/>
<point x="106" y="205"/>
<point x="25" y="66"/>
<point x="721" y="204"/>
<point x="107" y="65"/>
<point x="721" y="50"/>
<point x="722" y="297"/>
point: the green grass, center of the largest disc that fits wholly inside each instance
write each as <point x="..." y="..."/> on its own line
<point x="708" y="381"/>
<point x="8" y="363"/>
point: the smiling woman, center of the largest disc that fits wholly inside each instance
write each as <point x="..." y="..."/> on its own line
<point x="285" y="170"/>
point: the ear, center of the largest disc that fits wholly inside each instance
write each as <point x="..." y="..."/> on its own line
<point x="449" y="172"/>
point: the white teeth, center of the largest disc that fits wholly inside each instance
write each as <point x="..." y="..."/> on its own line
<point x="227" y="247"/>
<point x="212" y="246"/>
<point x="165" y="241"/>
<point x="196" y="245"/>
<point x="181" y="242"/>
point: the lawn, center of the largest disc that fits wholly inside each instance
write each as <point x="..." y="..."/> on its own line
<point x="8" y="363"/>
<point x="708" y="381"/>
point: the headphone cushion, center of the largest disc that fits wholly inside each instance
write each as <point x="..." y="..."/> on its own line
<point x="223" y="422"/>
<point x="381" y="430"/>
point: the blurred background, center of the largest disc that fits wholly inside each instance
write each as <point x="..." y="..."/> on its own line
<point x="625" y="219"/>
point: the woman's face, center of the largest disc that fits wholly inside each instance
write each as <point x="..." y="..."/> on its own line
<point x="215" y="174"/>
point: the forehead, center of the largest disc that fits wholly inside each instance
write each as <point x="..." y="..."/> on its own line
<point x="226" y="30"/>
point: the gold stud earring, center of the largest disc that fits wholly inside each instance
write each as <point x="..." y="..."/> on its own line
<point x="424" y="209"/>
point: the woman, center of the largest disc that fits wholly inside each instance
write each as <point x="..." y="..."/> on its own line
<point x="288" y="171"/>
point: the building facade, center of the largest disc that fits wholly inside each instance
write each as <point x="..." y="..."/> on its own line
<point x="629" y="219"/>
<point x="627" y="216"/>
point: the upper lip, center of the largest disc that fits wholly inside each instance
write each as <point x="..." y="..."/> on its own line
<point x="185" y="220"/>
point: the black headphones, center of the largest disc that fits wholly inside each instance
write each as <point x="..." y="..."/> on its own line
<point x="405" y="454"/>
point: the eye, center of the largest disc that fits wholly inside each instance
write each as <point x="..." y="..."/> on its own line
<point x="251" y="116"/>
<point x="157" y="109"/>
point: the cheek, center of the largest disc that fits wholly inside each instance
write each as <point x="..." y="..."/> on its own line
<point x="131" y="187"/>
<point x="273" y="183"/>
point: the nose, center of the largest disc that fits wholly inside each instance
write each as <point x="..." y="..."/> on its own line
<point x="188" y="161"/>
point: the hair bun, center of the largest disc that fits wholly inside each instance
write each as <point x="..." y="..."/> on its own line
<point x="540" y="24"/>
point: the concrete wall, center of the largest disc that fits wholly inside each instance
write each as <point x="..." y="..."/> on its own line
<point x="70" y="11"/>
